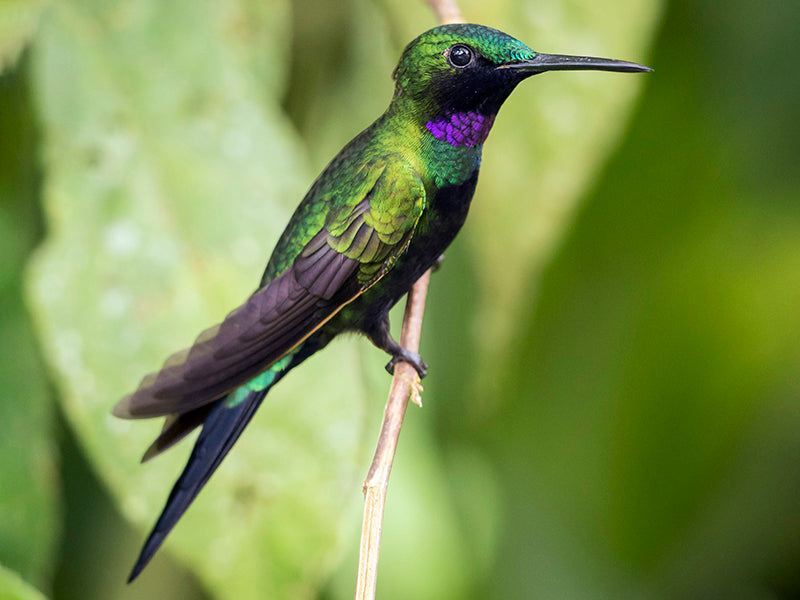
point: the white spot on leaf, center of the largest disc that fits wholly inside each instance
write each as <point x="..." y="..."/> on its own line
<point x="68" y="347"/>
<point x="122" y="238"/>
<point x="114" y="303"/>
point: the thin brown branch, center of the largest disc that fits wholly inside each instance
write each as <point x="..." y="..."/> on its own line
<point x="446" y="11"/>
<point x="405" y="386"/>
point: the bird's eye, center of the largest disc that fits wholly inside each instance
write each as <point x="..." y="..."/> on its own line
<point x="459" y="55"/>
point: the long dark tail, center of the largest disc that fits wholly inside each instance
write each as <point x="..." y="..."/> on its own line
<point x="223" y="425"/>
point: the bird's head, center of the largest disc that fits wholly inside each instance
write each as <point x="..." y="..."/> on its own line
<point x="469" y="70"/>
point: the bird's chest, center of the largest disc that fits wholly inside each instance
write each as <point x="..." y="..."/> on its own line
<point x="442" y="220"/>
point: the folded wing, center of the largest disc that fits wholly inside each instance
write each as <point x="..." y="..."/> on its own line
<point x="360" y="241"/>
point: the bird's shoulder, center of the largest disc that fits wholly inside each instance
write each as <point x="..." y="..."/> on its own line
<point x="357" y="194"/>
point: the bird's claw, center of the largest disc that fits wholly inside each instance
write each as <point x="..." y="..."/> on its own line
<point x="412" y="358"/>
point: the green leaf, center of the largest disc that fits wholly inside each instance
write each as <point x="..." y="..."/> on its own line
<point x="12" y="587"/>
<point x="18" y="21"/>
<point x="170" y="174"/>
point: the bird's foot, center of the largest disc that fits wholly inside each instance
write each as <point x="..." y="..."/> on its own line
<point x="412" y="358"/>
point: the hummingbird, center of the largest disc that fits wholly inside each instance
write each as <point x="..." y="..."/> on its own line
<point x="378" y="216"/>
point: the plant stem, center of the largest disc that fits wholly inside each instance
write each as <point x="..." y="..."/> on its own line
<point x="405" y="386"/>
<point x="446" y="11"/>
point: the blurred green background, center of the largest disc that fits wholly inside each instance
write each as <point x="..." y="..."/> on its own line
<point x="613" y="405"/>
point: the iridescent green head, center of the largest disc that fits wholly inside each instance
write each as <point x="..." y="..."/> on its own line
<point x="459" y="64"/>
<point x="468" y="69"/>
<point x="430" y="53"/>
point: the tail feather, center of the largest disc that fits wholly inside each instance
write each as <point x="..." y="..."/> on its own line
<point x="222" y="428"/>
<point x="175" y="429"/>
<point x="223" y="422"/>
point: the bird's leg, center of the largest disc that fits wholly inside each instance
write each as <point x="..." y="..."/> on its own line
<point x="379" y="335"/>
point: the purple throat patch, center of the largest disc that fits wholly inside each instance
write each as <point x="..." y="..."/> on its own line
<point x="461" y="128"/>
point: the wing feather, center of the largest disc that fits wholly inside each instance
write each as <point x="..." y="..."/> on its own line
<point x="358" y="244"/>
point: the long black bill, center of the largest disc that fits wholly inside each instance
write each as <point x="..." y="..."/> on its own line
<point x="560" y="62"/>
